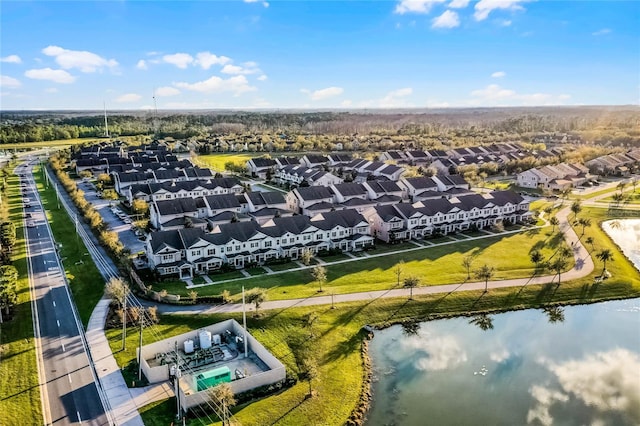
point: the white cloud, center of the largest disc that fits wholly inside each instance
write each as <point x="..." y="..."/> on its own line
<point x="448" y="19"/>
<point x="322" y="94"/>
<point x="207" y="59"/>
<point x="249" y="68"/>
<point x="57" y="76"/>
<point x="603" y="31"/>
<point x="264" y="3"/>
<point x="458" y="4"/>
<point x="415" y="6"/>
<point x="499" y="355"/>
<point x="505" y="23"/>
<point x="498" y="74"/>
<point x="51" y="90"/>
<point x="236" y="85"/>
<point x="262" y="78"/>
<point x="9" y="82"/>
<point x="346" y="103"/>
<point x="495" y="95"/>
<point x="12" y="59"/>
<point x="434" y="103"/>
<point x="180" y="60"/>
<point x="484" y="7"/>
<point x="435" y="353"/>
<point x="166" y="91"/>
<point x="606" y="382"/>
<point x="80" y="59"/>
<point x="128" y="97"/>
<point x="142" y="64"/>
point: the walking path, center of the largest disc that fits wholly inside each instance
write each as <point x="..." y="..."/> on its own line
<point x="583" y="266"/>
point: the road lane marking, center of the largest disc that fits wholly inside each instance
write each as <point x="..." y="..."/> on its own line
<point x="79" y="419"/>
<point x="70" y="381"/>
<point x="54" y="303"/>
<point x="58" y="321"/>
<point x="63" y="349"/>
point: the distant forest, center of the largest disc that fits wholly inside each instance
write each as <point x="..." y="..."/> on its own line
<point x="617" y="125"/>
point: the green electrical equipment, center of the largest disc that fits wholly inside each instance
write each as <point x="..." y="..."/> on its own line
<point x="212" y="378"/>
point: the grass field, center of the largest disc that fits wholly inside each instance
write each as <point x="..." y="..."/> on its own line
<point x="19" y="391"/>
<point x="86" y="283"/>
<point x="509" y="255"/>
<point x="43" y="144"/>
<point x="217" y="161"/>
<point x="339" y="383"/>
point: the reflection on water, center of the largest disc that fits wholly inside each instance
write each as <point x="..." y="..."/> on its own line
<point x="574" y="366"/>
<point x="626" y="233"/>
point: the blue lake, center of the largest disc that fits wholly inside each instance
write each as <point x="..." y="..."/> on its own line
<point x="577" y="365"/>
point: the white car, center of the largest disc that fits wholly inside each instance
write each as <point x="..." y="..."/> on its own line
<point x="31" y="224"/>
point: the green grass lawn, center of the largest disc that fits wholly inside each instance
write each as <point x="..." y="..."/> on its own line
<point x="632" y="197"/>
<point x="509" y="256"/>
<point x="19" y="390"/>
<point x="339" y="383"/>
<point x="86" y="283"/>
<point x="216" y="161"/>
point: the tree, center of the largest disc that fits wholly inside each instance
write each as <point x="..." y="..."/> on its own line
<point x="398" y="270"/>
<point x="467" y="261"/>
<point x="483" y="321"/>
<point x="576" y="208"/>
<point x="8" y="286"/>
<point x="536" y="258"/>
<point x="140" y="207"/>
<point x="410" y="328"/>
<point x="617" y="198"/>
<point x="257" y="296"/>
<point x="8" y="235"/>
<point x="584" y="222"/>
<point x="605" y="255"/>
<point x="485" y="273"/>
<point x="319" y="274"/>
<point x="554" y="221"/>
<point x="305" y="354"/>
<point x="590" y="241"/>
<point x="306" y="256"/>
<point x="558" y="265"/>
<point x="410" y="283"/>
<point x="309" y="322"/>
<point x="117" y="290"/>
<point x="222" y="397"/>
<point x="621" y="187"/>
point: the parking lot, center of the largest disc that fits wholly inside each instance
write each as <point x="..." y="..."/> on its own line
<point x="114" y="217"/>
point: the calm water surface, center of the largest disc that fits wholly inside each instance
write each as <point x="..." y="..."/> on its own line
<point x="576" y="366"/>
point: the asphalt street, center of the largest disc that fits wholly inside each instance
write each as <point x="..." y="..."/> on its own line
<point x="69" y="391"/>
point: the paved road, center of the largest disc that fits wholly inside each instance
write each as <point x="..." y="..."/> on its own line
<point x="69" y="392"/>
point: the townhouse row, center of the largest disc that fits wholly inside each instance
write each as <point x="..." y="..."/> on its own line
<point x="555" y="177"/>
<point x="622" y="164"/>
<point x="185" y="252"/>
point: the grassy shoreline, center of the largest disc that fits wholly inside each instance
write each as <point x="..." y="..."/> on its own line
<point x="341" y="338"/>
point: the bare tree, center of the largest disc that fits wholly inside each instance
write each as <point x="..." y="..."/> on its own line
<point x="398" y="270"/>
<point x="223" y="398"/>
<point x="319" y="274"/>
<point x="467" y="261"/>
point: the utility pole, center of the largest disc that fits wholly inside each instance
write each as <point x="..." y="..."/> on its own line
<point x="177" y="384"/>
<point x="124" y="319"/>
<point x="140" y="347"/>
<point x="244" y="323"/>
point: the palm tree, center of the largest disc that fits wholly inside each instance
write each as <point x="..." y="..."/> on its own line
<point x="617" y="198"/>
<point x="584" y="222"/>
<point x="554" y="221"/>
<point x="558" y="265"/>
<point x="411" y="282"/>
<point x="536" y="258"/>
<point x="257" y="296"/>
<point x="621" y="186"/>
<point x="555" y="313"/>
<point x="485" y="273"/>
<point x="590" y="241"/>
<point x="576" y="208"/>
<point x="605" y="255"/>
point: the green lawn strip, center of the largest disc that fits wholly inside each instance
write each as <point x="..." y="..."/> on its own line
<point x="632" y="197"/>
<point x="339" y="383"/>
<point x="509" y="255"/>
<point x="256" y="271"/>
<point x="19" y="390"/>
<point x="86" y="283"/>
<point x="282" y="266"/>
<point x="620" y="267"/>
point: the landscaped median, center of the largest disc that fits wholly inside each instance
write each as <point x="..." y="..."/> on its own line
<point x="19" y="389"/>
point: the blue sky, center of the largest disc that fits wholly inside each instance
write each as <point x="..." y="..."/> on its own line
<point x="318" y="54"/>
